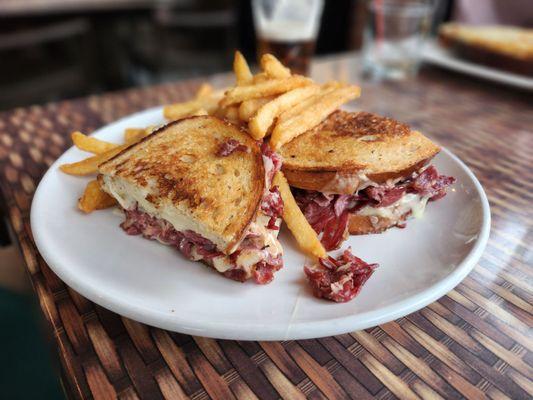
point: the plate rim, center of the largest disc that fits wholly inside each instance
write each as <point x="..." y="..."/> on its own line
<point x="255" y="331"/>
<point x="435" y="54"/>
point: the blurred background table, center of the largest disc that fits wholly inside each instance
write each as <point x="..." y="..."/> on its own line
<point x="474" y="343"/>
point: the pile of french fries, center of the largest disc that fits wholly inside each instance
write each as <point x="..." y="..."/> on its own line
<point x="273" y="105"/>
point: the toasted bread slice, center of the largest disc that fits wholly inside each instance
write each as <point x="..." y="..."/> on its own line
<point x="348" y="144"/>
<point x="504" y="47"/>
<point x="176" y="174"/>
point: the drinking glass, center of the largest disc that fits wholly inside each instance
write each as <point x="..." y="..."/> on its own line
<point x="394" y="36"/>
<point x="288" y="30"/>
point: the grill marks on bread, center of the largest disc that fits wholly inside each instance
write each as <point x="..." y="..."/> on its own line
<point x="363" y="124"/>
<point x="354" y="141"/>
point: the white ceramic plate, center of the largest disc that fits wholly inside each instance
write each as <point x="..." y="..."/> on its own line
<point x="148" y="282"/>
<point x="435" y="54"/>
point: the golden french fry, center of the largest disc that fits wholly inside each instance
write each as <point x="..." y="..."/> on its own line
<point x="248" y="108"/>
<point x="263" y="89"/>
<point x="204" y="91"/>
<point x="91" y="144"/>
<point x="232" y="114"/>
<point x="201" y="111"/>
<point x="333" y="85"/>
<point x="260" y="77"/>
<point x="292" y="215"/>
<point x="94" y="198"/>
<point x="320" y="107"/>
<point x="242" y="70"/>
<point x="260" y="123"/>
<point x="273" y="67"/>
<point x="305" y="104"/>
<point x="203" y="100"/>
<point x="181" y="110"/>
<point x="134" y="134"/>
<point x="90" y="165"/>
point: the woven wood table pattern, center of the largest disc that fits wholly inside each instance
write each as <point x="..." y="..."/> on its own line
<point x="474" y="343"/>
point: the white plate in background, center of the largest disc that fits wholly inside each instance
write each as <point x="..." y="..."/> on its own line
<point x="152" y="283"/>
<point x="435" y="54"/>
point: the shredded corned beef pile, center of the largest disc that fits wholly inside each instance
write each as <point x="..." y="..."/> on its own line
<point x="272" y="162"/>
<point x="272" y="203"/>
<point x="272" y="206"/>
<point x="263" y="272"/>
<point x="339" y="279"/>
<point x="329" y="213"/>
<point x="195" y="247"/>
<point x="138" y="222"/>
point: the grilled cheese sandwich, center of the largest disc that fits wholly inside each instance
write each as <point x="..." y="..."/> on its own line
<point x="203" y="186"/>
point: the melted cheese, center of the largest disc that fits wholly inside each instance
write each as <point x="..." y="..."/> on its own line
<point x="409" y="202"/>
<point x="268" y="241"/>
<point x="128" y="195"/>
<point x="353" y="183"/>
<point x="348" y="183"/>
<point x="249" y="257"/>
<point x="222" y="264"/>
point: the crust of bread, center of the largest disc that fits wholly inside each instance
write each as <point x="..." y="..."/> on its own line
<point x="319" y="180"/>
<point x="362" y="224"/>
<point x="178" y="169"/>
<point x="349" y="143"/>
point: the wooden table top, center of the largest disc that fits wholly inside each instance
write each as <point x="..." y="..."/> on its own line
<point x="474" y="343"/>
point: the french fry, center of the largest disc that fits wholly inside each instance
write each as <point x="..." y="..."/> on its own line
<point x="232" y="114"/>
<point x="242" y="70"/>
<point x="91" y="144"/>
<point x="248" y="108"/>
<point x="200" y="112"/>
<point x="305" y="104"/>
<point x="132" y="135"/>
<point x="90" y="165"/>
<point x="94" y="198"/>
<point x="263" y="89"/>
<point x="260" y="123"/>
<point x="204" y="91"/>
<point x="321" y="106"/>
<point x="206" y="99"/>
<point x="333" y="85"/>
<point x="260" y="77"/>
<point x="292" y="215"/>
<point x="181" y="110"/>
<point x="273" y="67"/>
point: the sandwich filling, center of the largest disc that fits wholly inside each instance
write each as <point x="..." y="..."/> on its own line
<point x="329" y="214"/>
<point x="257" y="257"/>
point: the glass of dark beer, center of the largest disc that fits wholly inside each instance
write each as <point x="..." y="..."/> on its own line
<point x="288" y="29"/>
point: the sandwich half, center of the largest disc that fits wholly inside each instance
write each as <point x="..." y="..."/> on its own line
<point x="203" y="186"/>
<point x="359" y="173"/>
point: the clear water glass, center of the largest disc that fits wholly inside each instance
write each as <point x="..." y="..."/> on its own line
<point x="394" y="37"/>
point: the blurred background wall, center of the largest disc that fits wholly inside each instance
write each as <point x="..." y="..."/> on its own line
<point x="54" y="49"/>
